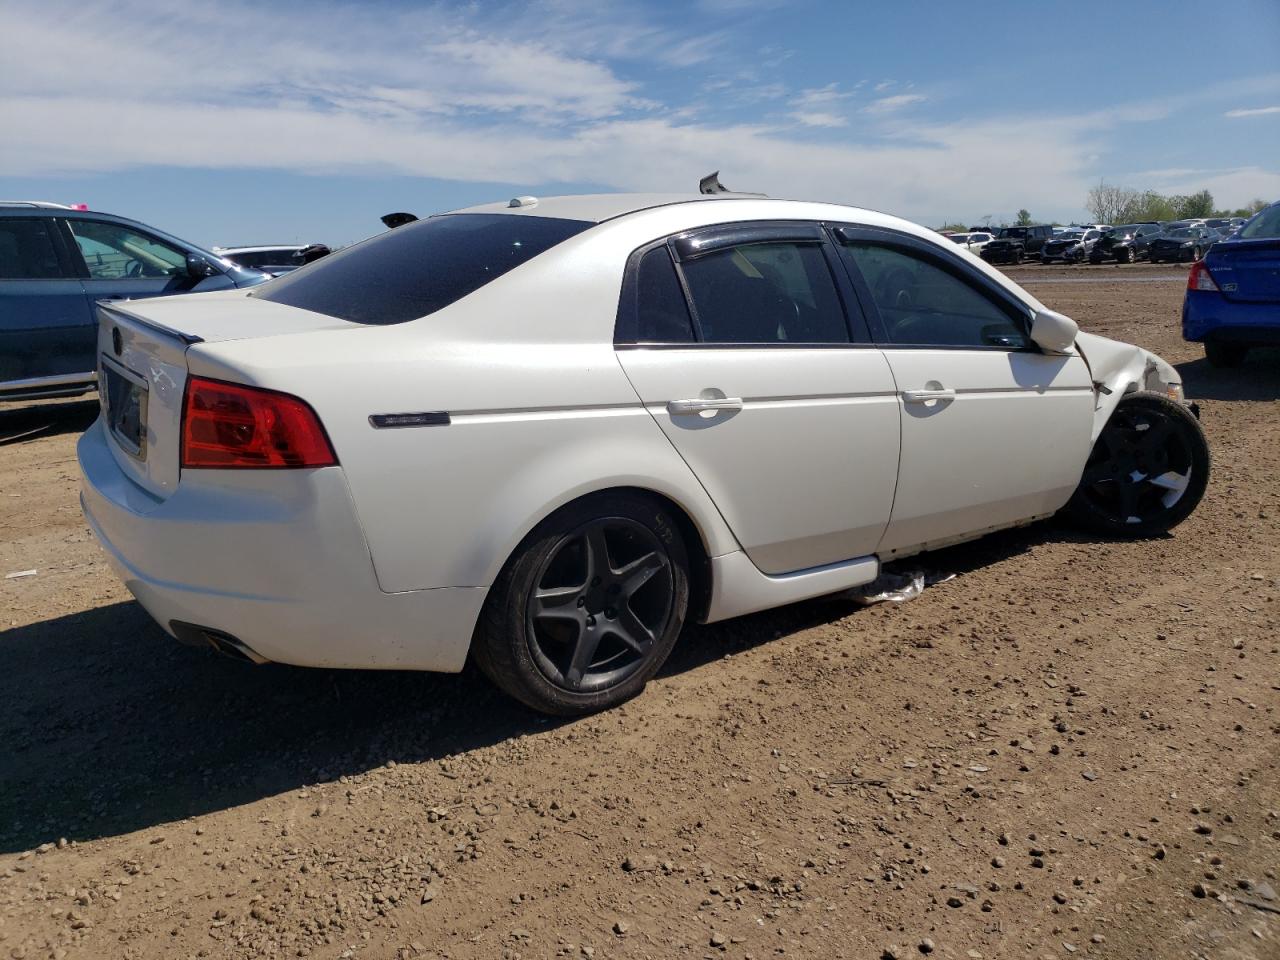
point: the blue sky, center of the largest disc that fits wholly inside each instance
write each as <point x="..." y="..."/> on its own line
<point x="238" y="122"/>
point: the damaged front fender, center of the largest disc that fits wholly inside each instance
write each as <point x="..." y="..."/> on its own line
<point x="1119" y="369"/>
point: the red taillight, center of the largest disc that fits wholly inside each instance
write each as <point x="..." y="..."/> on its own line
<point x="226" y="425"/>
<point x="1200" y="278"/>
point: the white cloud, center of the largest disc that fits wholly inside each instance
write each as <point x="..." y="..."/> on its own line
<point x="540" y="97"/>
<point x="1252" y="112"/>
<point x="819" y="119"/>
<point x="882" y="86"/>
<point x="896" y="102"/>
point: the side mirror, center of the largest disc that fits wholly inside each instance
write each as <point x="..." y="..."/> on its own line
<point x="198" y="267"/>
<point x="1053" y="332"/>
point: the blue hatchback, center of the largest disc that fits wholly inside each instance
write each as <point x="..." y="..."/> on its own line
<point x="1233" y="294"/>
<point x="56" y="262"/>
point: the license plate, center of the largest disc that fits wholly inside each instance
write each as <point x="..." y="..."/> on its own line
<point x="125" y="398"/>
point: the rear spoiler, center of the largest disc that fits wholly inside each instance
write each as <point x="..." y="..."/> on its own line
<point x="187" y="338"/>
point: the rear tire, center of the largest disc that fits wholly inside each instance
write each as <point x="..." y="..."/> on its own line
<point x="1224" y="353"/>
<point x="1146" y="473"/>
<point x="589" y="606"/>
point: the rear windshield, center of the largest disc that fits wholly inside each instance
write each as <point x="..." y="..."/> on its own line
<point x="417" y="269"/>
<point x="1264" y="225"/>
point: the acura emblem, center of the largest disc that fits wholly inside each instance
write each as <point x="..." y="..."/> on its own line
<point x="117" y="342"/>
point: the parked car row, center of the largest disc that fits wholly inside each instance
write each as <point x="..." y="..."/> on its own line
<point x="1179" y="240"/>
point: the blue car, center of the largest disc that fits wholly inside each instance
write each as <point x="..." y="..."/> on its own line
<point x="1233" y="294"/>
<point x="56" y="262"/>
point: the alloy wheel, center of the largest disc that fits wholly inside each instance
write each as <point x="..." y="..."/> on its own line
<point x="600" y="601"/>
<point x="1140" y="467"/>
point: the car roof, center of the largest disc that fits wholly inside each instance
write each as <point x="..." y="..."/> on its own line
<point x="599" y="207"/>
<point x="35" y="204"/>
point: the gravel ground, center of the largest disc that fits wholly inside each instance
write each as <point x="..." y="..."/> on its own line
<point x="1070" y="748"/>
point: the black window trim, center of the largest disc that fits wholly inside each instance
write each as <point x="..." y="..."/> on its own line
<point x="66" y="262"/>
<point x="688" y="245"/>
<point x="1016" y="310"/>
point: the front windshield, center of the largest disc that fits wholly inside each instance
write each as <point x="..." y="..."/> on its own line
<point x="1069" y="235"/>
<point x="1017" y="233"/>
<point x="1182" y="233"/>
<point x="1264" y="225"/>
<point x="1122" y="231"/>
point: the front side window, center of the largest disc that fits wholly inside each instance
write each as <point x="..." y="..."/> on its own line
<point x="115" y="252"/>
<point x="922" y="304"/>
<point x="776" y="292"/>
<point x="27" y="251"/>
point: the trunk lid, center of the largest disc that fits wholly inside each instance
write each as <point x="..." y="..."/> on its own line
<point x="1247" y="270"/>
<point x="142" y="369"/>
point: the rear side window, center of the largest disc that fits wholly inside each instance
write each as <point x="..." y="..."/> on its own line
<point x="766" y="293"/>
<point x="27" y="251"/>
<point x="417" y="269"/>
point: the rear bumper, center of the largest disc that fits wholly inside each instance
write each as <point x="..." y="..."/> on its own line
<point x="274" y="559"/>
<point x="1211" y="316"/>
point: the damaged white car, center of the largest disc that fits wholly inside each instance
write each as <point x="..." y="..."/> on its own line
<point x="546" y="433"/>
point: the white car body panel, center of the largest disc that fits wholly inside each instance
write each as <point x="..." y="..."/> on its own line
<point x="385" y="560"/>
<point x="1010" y="445"/>
<point x="829" y="421"/>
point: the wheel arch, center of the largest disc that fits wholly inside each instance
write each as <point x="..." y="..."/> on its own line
<point x="693" y="525"/>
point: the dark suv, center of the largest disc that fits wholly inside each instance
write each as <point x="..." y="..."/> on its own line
<point x="1014" y="244"/>
<point x="56" y="262"/>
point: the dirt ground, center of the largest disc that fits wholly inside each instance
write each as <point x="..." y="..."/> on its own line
<point x="1071" y="748"/>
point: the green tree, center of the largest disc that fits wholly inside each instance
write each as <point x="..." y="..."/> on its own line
<point x="1024" y="217"/>
<point x="1151" y="206"/>
<point x="1197" y="205"/>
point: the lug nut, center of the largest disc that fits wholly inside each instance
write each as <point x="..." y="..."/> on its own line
<point x="610" y="613"/>
<point x="591" y="621"/>
<point x="582" y="601"/>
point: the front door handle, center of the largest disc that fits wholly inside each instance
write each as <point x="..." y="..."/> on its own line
<point x="924" y="396"/>
<point x="699" y="404"/>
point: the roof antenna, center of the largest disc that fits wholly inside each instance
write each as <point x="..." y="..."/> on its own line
<point x="711" y="184"/>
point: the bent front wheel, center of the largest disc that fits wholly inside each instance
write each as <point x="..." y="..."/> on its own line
<point x="1147" y="472"/>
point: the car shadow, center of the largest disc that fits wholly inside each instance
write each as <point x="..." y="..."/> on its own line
<point x="33" y="421"/>
<point x="1258" y="378"/>
<point x="110" y="726"/>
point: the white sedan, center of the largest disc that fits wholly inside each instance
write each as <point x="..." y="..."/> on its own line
<point x="974" y="242"/>
<point x="546" y="433"/>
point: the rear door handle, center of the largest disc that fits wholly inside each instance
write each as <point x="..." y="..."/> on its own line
<point x="698" y="405"/>
<point x="924" y="396"/>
